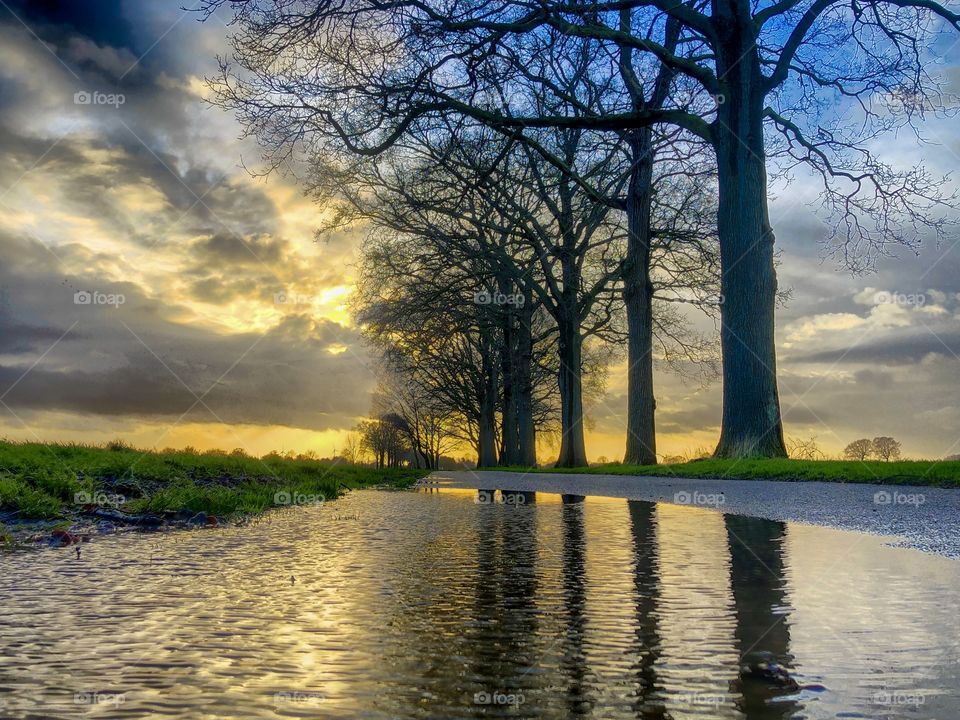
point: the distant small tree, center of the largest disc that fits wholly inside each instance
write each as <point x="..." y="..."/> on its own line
<point x="800" y="449"/>
<point x="886" y="448"/>
<point x="952" y="458"/>
<point x="385" y="439"/>
<point x="858" y="450"/>
<point x="351" y="448"/>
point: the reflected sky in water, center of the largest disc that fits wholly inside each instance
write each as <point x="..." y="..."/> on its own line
<point x="431" y="605"/>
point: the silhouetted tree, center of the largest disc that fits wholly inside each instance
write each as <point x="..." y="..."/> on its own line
<point x="858" y="449"/>
<point x="804" y="449"/>
<point x="885" y="448"/>
<point x="385" y="439"/>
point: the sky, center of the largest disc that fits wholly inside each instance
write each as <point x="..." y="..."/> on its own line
<point x="152" y="289"/>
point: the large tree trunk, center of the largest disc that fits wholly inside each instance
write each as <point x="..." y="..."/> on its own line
<point x="638" y="298"/>
<point x="752" y="426"/>
<point x="573" y="451"/>
<point x="508" y="409"/>
<point x="526" y="429"/>
<point x="487" y="445"/>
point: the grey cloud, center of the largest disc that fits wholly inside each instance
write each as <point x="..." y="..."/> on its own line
<point x="874" y="379"/>
<point x="894" y="350"/>
<point x="223" y="247"/>
<point x="100" y="367"/>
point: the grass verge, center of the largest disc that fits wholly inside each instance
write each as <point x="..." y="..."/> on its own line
<point x="51" y="481"/>
<point x="902" y="472"/>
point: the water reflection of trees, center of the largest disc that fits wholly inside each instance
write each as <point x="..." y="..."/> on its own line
<point x="758" y="584"/>
<point x="501" y="642"/>
<point x="510" y="640"/>
<point x="647" y="591"/>
<point x="573" y="571"/>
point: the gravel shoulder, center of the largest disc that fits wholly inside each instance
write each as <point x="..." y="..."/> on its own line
<point x="925" y="518"/>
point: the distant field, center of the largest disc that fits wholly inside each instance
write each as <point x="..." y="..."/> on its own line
<point x="902" y="472"/>
<point x="53" y="480"/>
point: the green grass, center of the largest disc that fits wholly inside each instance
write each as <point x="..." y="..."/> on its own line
<point x="39" y="480"/>
<point x="901" y="472"/>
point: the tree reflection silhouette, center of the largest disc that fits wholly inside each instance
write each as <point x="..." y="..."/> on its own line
<point x="646" y="577"/>
<point x="573" y="664"/>
<point x="758" y="584"/>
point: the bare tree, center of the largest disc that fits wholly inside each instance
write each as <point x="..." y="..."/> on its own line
<point x="520" y="231"/>
<point x="385" y="439"/>
<point x="885" y="448"/>
<point x="427" y="421"/>
<point x="858" y="450"/>
<point x="417" y="304"/>
<point x="352" y="451"/>
<point x="804" y="449"/>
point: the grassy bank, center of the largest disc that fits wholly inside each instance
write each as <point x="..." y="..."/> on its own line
<point x="44" y="481"/>
<point x="905" y="472"/>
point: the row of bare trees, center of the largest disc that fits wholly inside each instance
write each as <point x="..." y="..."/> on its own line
<point x="597" y="159"/>
<point x="498" y="284"/>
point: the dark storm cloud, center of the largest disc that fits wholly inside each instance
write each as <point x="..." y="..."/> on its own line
<point x="136" y="359"/>
<point x="233" y="249"/>
<point x="101" y="20"/>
